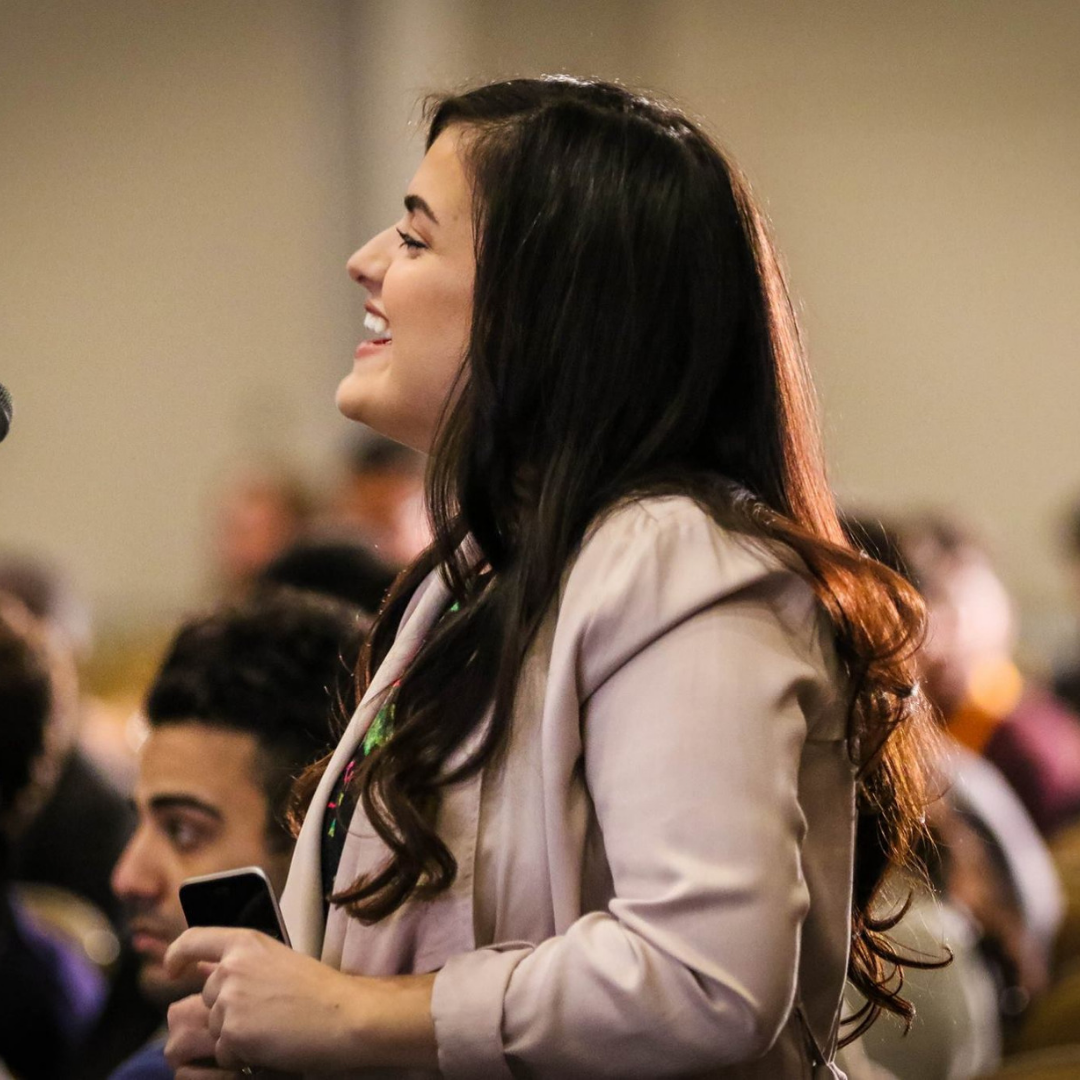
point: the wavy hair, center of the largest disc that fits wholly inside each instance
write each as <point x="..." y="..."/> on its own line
<point x="631" y="334"/>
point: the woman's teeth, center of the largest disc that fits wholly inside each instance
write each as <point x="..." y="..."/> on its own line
<point x="377" y="325"/>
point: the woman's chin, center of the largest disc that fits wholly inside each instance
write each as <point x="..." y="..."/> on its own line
<point x="344" y="400"/>
<point x="357" y="400"/>
<point x="354" y="397"/>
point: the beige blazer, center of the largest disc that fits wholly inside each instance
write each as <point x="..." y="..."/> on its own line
<point x="661" y="865"/>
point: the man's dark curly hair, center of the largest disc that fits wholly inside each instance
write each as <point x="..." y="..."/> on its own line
<point x="280" y="666"/>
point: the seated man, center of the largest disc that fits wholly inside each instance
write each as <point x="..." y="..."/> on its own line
<point x="245" y="699"/>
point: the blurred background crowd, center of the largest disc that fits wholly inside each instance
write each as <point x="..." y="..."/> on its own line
<point x="181" y="185"/>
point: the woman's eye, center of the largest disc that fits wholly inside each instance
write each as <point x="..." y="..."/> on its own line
<point x="410" y="242"/>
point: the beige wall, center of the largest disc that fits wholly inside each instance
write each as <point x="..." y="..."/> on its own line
<point x="175" y="212"/>
<point x="180" y="184"/>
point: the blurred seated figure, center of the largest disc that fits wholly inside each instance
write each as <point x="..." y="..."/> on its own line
<point x="1019" y="898"/>
<point x="970" y="674"/>
<point x="989" y="908"/>
<point x="75" y="840"/>
<point x="344" y="569"/>
<point x="48" y="595"/>
<point x="50" y="994"/>
<point x="246" y="698"/>
<point x="380" y="500"/>
<point x="1067" y="678"/>
<point x="996" y="902"/>
<point x="955" y="1033"/>
<point x="257" y="511"/>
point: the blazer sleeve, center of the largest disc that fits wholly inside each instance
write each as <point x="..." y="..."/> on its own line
<point x="698" y="664"/>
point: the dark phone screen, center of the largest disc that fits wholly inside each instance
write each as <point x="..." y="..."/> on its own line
<point x="243" y="900"/>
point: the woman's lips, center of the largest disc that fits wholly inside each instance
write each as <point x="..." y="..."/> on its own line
<point x="371" y="348"/>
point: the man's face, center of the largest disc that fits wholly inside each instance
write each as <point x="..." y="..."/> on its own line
<point x="202" y="809"/>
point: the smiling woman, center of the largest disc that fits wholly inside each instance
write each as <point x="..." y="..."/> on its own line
<point x="419" y="276"/>
<point x="595" y="814"/>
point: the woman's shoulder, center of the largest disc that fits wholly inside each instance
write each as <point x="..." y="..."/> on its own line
<point x="677" y="535"/>
<point x="649" y="564"/>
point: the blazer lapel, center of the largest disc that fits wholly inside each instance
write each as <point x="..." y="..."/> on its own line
<point x="302" y="903"/>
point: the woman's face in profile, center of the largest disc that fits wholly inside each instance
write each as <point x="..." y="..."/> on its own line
<point x="419" y="277"/>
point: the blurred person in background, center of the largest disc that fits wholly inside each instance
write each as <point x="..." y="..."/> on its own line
<point x="380" y="499"/>
<point x="246" y="698"/>
<point x="76" y="839"/>
<point x="257" y="511"/>
<point x="74" y="842"/>
<point x="970" y="672"/>
<point x="48" y="594"/>
<point x="1067" y="678"/>
<point x="50" y="992"/>
<point x="340" y="568"/>
<point x="997" y="902"/>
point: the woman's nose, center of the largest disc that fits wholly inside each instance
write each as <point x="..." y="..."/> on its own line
<point x="368" y="265"/>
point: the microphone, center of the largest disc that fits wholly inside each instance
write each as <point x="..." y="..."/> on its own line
<point x="7" y="411"/>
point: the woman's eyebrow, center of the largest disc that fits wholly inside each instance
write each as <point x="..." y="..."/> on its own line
<point x="415" y="204"/>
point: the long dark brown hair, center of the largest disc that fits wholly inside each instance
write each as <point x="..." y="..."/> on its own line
<point x="631" y="334"/>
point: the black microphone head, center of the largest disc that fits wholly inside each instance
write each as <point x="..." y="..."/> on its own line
<point x="7" y="411"/>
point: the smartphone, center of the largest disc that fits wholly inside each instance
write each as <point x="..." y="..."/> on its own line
<point x="241" y="897"/>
